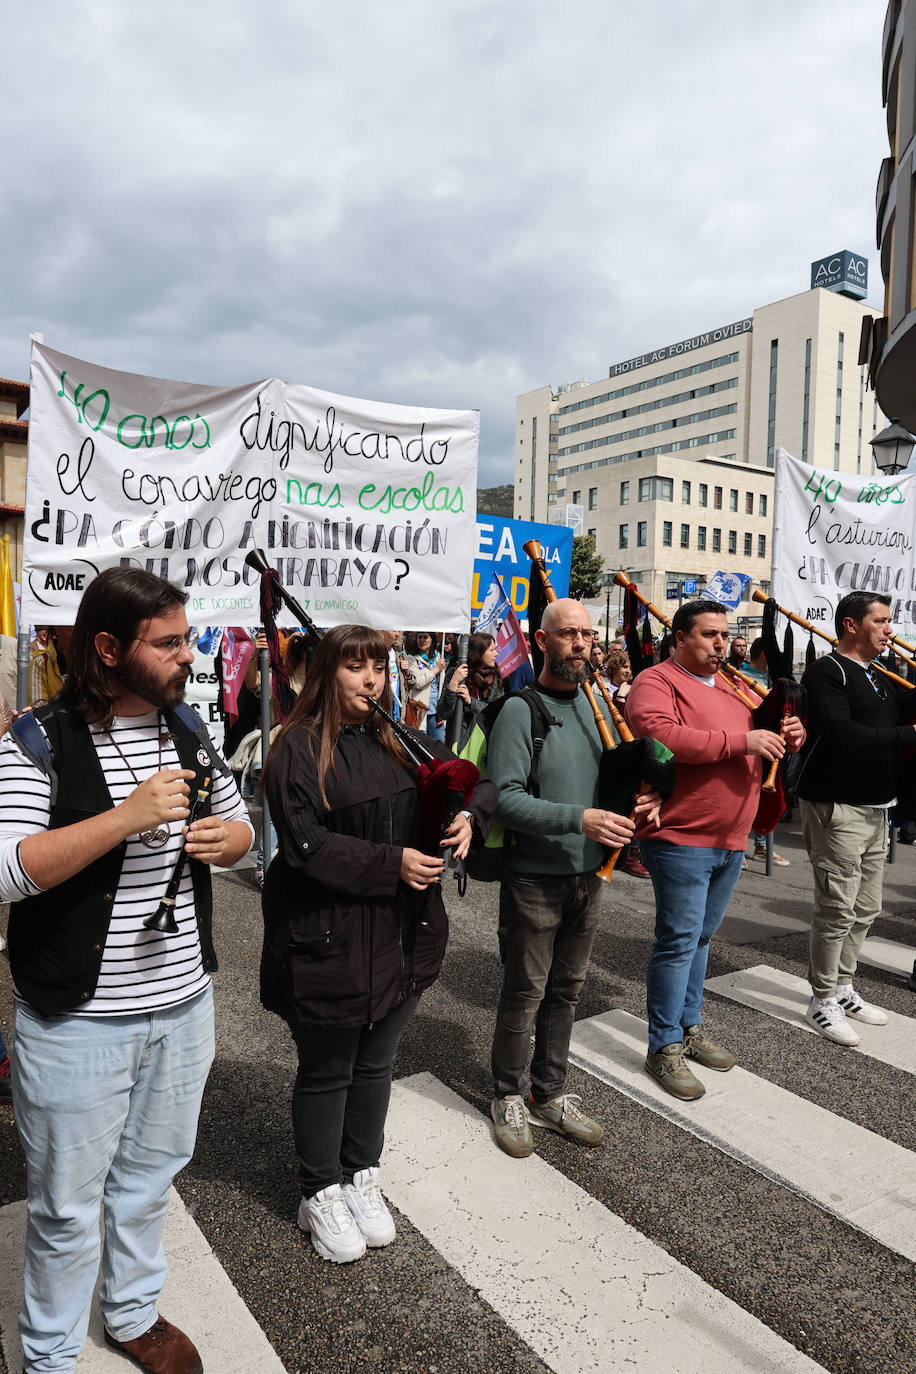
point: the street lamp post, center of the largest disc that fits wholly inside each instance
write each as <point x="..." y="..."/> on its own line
<point x="892" y="449"/>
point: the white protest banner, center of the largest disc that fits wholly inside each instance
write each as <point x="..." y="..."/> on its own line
<point x="835" y="532"/>
<point x="365" y="509"/>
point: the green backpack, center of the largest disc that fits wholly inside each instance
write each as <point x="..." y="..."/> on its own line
<point x="487" y="864"/>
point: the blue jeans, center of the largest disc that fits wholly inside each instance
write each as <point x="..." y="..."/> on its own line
<point x="693" y="888"/>
<point x="107" y="1110"/>
<point x="546" y="930"/>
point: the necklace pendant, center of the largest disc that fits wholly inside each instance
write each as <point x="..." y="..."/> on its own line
<point x="154" y="839"/>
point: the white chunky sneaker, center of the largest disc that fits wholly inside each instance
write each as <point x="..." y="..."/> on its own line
<point x="828" y="1018"/>
<point x="859" y="1010"/>
<point x="367" y="1206"/>
<point x="329" y="1220"/>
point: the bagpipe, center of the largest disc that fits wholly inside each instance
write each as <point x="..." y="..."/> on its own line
<point x="769" y="708"/>
<point x="626" y="769"/>
<point x="445" y="786"/>
<point x="794" y="619"/>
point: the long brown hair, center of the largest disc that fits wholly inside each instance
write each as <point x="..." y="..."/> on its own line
<point x="317" y="707"/>
<point x="119" y="601"/>
<point x="480" y="678"/>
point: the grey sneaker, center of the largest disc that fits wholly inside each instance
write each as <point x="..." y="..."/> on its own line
<point x="667" y="1067"/>
<point x="698" y="1046"/>
<point x="563" y="1114"/>
<point x="513" y="1133"/>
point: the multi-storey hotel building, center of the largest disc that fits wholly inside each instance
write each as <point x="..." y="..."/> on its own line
<point x="670" y="457"/>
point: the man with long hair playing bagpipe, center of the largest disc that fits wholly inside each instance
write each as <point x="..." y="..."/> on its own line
<point x="550" y="894"/>
<point x="696" y="855"/>
<point x="114" y="1013"/>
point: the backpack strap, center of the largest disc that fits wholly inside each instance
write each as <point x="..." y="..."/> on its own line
<point x="33" y="742"/>
<point x="193" y="722"/>
<point x="541" y="721"/>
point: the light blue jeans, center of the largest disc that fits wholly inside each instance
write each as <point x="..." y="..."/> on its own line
<point x="107" y="1110"/>
<point x="693" y="888"/>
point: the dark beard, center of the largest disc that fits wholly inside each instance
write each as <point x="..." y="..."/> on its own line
<point x="145" y="684"/>
<point x="568" y="672"/>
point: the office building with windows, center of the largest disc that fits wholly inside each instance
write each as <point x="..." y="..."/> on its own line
<point x="670" y="457"/>
<point x="889" y="346"/>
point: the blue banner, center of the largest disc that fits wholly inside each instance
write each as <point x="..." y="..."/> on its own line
<point x="499" y="550"/>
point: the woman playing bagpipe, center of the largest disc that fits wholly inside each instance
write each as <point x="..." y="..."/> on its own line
<point x="355" y="927"/>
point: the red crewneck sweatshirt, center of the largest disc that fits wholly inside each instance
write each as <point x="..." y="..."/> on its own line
<point x="717" y="787"/>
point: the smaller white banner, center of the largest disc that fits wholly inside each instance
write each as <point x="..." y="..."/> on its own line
<point x="835" y="533"/>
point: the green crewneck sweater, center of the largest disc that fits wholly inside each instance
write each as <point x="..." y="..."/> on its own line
<point x="548" y="829"/>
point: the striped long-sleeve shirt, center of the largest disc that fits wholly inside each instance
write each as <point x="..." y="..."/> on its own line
<point x="141" y="969"/>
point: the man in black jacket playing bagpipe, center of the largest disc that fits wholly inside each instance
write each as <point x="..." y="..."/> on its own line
<point x="849" y="779"/>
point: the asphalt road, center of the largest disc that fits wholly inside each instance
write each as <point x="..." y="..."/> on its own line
<point x="842" y="1298"/>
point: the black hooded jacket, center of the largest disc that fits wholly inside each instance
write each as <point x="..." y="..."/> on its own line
<point x="345" y="940"/>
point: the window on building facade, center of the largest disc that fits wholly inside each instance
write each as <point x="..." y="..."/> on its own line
<point x="667" y="533"/>
<point x="641" y="534"/>
<point x="733" y="541"/>
<point x="593" y="498"/>
<point x="748" y="545"/>
<point x="701" y="538"/>
<point x="733" y="500"/>
<point x="717" y="541"/>
<point x="685" y="493"/>
<point x="624" y="493"/>
<point x="593" y="536"/>
<point x="623" y="536"/>
<point x="762" y="505"/>
<point x="717" y="498"/>
<point x="685" y="536"/>
<point x="656" y="488"/>
<point x="748" y="503"/>
<point x="704" y="494"/>
<point x="577" y="498"/>
<point x="761" y="546"/>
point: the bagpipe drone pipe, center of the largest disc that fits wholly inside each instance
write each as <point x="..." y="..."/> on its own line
<point x="626" y="768"/>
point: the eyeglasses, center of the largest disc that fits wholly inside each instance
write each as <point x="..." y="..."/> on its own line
<point x="570" y="632"/>
<point x="173" y="647"/>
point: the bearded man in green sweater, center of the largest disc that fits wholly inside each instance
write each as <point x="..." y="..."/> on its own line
<point x="550" y="898"/>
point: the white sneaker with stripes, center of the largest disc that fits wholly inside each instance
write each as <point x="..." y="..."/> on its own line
<point x="857" y="1008"/>
<point x="829" y="1019"/>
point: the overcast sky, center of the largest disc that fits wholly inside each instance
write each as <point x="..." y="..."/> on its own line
<point x="435" y="202"/>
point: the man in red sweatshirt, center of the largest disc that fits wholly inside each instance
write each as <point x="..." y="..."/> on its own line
<point x="695" y="856"/>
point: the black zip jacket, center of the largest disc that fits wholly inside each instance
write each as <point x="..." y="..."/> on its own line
<point x="345" y="940"/>
<point x="855" y="739"/>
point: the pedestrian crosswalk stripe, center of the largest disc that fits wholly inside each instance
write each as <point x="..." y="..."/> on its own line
<point x="856" y="1175"/>
<point x="888" y="955"/>
<point x="586" y="1291"/>
<point x="199" y="1297"/>
<point x="785" y="997"/>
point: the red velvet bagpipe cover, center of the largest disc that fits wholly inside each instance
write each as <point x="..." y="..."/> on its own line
<point x="445" y="788"/>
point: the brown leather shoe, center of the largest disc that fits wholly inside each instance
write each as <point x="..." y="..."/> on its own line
<point x="161" y="1350"/>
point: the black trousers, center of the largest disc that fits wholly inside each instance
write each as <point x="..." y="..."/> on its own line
<point x="341" y="1095"/>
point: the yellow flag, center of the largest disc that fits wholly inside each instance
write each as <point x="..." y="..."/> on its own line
<point x="7" y="600"/>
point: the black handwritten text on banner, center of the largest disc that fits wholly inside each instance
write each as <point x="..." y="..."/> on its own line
<point x="366" y="509"/>
<point x="836" y="532"/>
